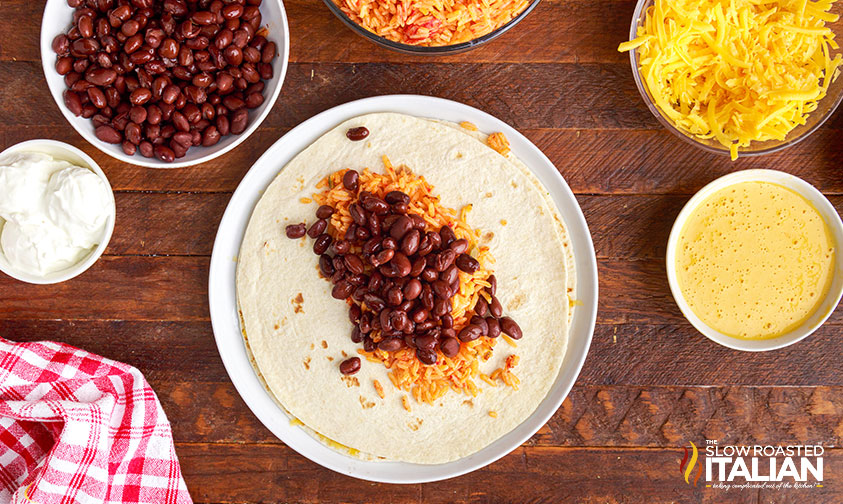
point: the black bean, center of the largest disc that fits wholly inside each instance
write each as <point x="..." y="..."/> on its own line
<point x="317" y="228"/>
<point x="375" y="223"/>
<point x="356" y="134"/>
<point x="399" y="320"/>
<point x="354" y="313"/>
<point x="493" y="285"/>
<point x="393" y="197"/>
<point x="375" y="205"/>
<point x="356" y="334"/>
<point x="372" y="246"/>
<point x="426" y="356"/>
<point x="389" y="243"/>
<point x="418" y="266"/>
<point x="481" y="323"/>
<point x="449" y="346"/>
<point x="341" y="246"/>
<point x="401" y="226"/>
<point x="394" y="296"/>
<point x="420" y="315"/>
<point x="324" y="211"/>
<point x="350" y="366"/>
<point x="342" y="290"/>
<point x="427" y="297"/>
<point x="382" y="257"/>
<point x="369" y="344"/>
<point x="374" y="303"/>
<point x="390" y="344"/>
<point x="441" y="307"/>
<point x="358" y="293"/>
<point x="429" y="275"/>
<point x="412" y="289"/>
<point x="356" y="280"/>
<point x="494" y="327"/>
<point x="470" y="333"/>
<point x="353" y="263"/>
<point x="358" y="214"/>
<point x="450" y="275"/>
<point x="441" y="289"/>
<point x="495" y="308"/>
<point x="401" y="264"/>
<point x="459" y="246"/>
<point x="320" y="246"/>
<point x="295" y="230"/>
<point x="435" y="240"/>
<point x="366" y="323"/>
<point x="410" y="242"/>
<point x="467" y="263"/>
<point x="350" y="180"/>
<point x="447" y="235"/>
<point x="509" y="327"/>
<point x="482" y="307"/>
<point x="443" y="260"/>
<point x="326" y="266"/>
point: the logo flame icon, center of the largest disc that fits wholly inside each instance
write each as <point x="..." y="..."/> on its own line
<point x="687" y="470"/>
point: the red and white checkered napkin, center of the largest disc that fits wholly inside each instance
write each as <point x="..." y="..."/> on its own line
<point x="77" y="427"/>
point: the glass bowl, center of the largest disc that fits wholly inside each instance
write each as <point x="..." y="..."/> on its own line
<point x="413" y="49"/>
<point x="825" y="107"/>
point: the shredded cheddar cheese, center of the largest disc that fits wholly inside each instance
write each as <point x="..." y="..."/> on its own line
<point x="737" y="71"/>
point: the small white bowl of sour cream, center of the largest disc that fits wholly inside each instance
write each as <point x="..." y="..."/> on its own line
<point x="824" y="307"/>
<point x="61" y="151"/>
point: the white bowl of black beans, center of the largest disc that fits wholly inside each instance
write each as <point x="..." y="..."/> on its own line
<point x="165" y="83"/>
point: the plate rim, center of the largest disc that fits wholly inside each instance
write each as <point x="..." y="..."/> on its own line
<point x="233" y="352"/>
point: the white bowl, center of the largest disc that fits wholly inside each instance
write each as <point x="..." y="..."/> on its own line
<point x="61" y="150"/>
<point x="58" y="18"/>
<point x="828" y="213"/>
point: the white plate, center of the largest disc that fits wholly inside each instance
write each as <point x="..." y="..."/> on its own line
<point x="226" y="324"/>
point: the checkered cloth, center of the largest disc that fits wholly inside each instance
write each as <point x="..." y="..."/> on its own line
<point x="77" y="427"/>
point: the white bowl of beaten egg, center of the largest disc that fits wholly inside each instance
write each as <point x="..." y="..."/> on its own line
<point x="754" y="260"/>
<point x="57" y="213"/>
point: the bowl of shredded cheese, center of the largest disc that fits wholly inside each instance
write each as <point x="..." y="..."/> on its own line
<point x="738" y="77"/>
<point x="431" y="26"/>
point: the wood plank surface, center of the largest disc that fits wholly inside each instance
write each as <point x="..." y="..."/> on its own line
<point x="657" y="355"/>
<point x="591" y="161"/>
<point x="527" y="96"/>
<point x="317" y="35"/>
<point x="273" y="474"/>
<point x="650" y="384"/>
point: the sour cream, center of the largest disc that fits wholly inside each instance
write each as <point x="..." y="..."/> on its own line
<point x="53" y="212"/>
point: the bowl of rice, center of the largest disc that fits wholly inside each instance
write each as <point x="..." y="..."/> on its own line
<point x="430" y="26"/>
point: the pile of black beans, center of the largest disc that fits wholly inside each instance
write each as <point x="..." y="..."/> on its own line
<point x="161" y="76"/>
<point x="405" y="276"/>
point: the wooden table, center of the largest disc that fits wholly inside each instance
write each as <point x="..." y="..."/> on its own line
<point x="650" y="385"/>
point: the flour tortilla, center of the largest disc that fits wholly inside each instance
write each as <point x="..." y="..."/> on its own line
<point x="297" y="333"/>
